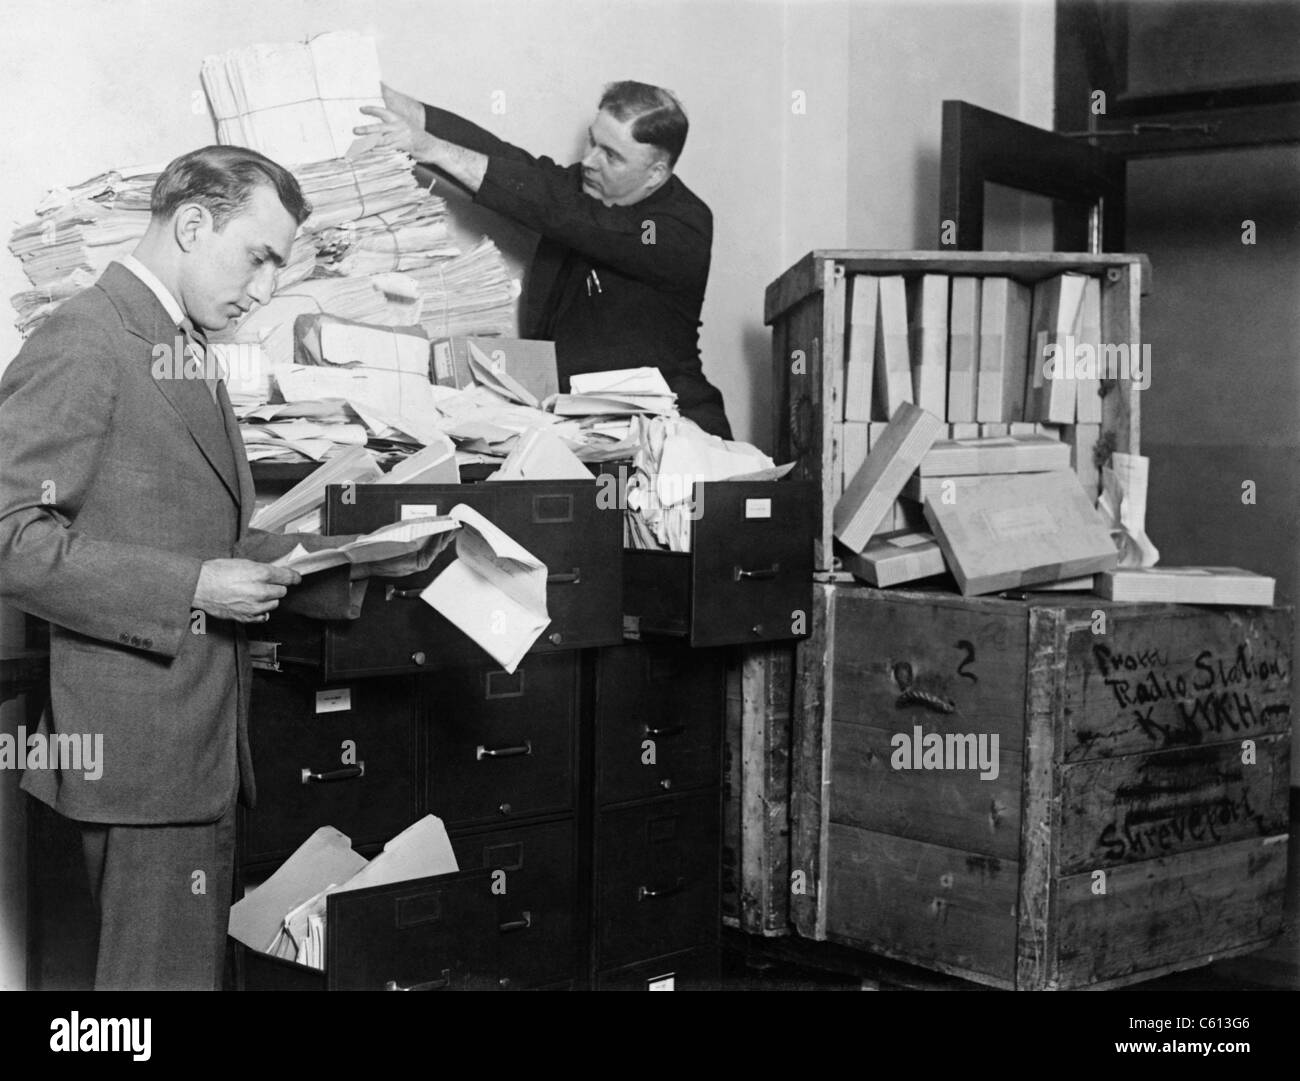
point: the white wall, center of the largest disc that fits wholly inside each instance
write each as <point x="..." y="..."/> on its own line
<point x="907" y="59"/>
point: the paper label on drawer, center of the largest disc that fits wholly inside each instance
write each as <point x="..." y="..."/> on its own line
<point x="335" y="700"/>
<point x="662" y="983"/>
<point x="758" y="508"/>
<point x="419" y="510"/>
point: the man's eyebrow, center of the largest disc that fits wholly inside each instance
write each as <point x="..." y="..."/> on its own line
<point x="269" y="252"/>
<point x="603" y="146"/>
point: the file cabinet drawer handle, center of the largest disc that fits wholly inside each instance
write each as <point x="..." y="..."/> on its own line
<point x="348" y="773"/>
<point x="764" y="574"/>
<point x="482" y="752"/>
<point x="645" y="893"/>
<point x="524" y="922"/>
<point x="392" y="593"/>
<point x="431" y="985"/>
<point x="666" y="730"/>
<point x="572" y="578"/>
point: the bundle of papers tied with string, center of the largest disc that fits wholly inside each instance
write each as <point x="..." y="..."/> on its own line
<point x="294" y="101"/>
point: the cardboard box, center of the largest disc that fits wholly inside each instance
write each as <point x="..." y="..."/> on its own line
<point x="893" y="365"/>
<point x="999" y="454"/>
<point x="1009" y="532"/>
<point x="963" y="348"/>
<point x="859" y="370"/>
<point x="1050" y="388"/>
<point x="869" y="495"/>
<point x="529" y="362"/>
<point x="1005" y="307"/>
<point x="929" y="343"/>
<point x="1187" y="585"/>
<point x="896" y="557"/>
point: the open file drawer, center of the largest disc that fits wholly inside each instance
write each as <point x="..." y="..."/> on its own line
<point x="426" y="934"/>
<point x="560" y="522"/>
<point x="747" y="577"/>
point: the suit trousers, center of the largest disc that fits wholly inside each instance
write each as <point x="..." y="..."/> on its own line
<point x="163" y="894"/>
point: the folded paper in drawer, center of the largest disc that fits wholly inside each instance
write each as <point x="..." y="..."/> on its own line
<point x="285" y="916"/>
<point x="495" y="590"/>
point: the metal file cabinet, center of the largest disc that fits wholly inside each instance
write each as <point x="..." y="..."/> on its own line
<point x="747" y="577"/>
<point x="656" y="812"/>
<point x="562" y="523"/>
<point x="581" y="793"/>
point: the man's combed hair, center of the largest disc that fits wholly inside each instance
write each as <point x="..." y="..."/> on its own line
<point x="222" y="178"/>
<point x="660" y="119"/>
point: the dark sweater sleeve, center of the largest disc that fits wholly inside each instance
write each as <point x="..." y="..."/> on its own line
<point x="666" y="245"/>
<point x="458" y="130"/>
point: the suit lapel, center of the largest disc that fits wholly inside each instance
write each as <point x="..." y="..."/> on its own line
<point x="146" y="318"/>
<point x="247" y="494"/>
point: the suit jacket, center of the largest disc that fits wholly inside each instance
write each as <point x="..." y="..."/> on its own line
<point x="612" y="286"/>
<point x="117" y="480"/>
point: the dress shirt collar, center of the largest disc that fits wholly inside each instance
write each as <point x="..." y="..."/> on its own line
<point x="165" y="298"/>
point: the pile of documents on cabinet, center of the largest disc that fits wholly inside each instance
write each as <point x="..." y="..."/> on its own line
<point x="285" y="915"/>
<point x="1009" y="513"/>
<point x="376" y="247"/>
<point x="672" y="456"/>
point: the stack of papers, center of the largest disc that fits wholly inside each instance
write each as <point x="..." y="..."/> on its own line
<point x="620" y="392"/>
<point x="362" y="300"/>
<point x="470" y="295"/>
<point x="368" y="184"/>
<point x="407" y="239"/>
<point x="78" y="231"/>
<point x="289" y="440"/>
<point x="299" y="509"/>
<point x="295" y="102"/>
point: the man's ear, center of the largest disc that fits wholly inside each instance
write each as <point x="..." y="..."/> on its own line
<point x="188" y="223"/>
<point x="659" y="173"/>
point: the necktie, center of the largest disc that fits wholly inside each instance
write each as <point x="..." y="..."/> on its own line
<point x="199" y="341"/>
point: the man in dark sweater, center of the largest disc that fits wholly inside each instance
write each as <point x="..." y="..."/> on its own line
<point x="619" y="274"/>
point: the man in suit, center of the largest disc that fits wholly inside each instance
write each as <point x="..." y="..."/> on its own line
<point x="125" y="496"/>
<point x="620" y="270"/>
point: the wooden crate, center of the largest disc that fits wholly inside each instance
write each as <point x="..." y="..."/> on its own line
<point x="756" y="786"/>
<point x="807" y="309"/>
<point x="1125" y="834"/>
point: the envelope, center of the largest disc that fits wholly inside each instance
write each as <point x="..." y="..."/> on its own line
<point x="541" y="455"/>
<point x="497" y="378"/>
<point x="494" y="591"/>
<point x="324" y="858"/>
<point x="386" y="542"/>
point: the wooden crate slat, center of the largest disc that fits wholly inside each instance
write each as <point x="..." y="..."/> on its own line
<point x="767" y="684"/>
<point x="1171" y="909"/>
<point x="923" y="901"/>
<point x="1125" y="686"/>
<point x="1142" y="806"/>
